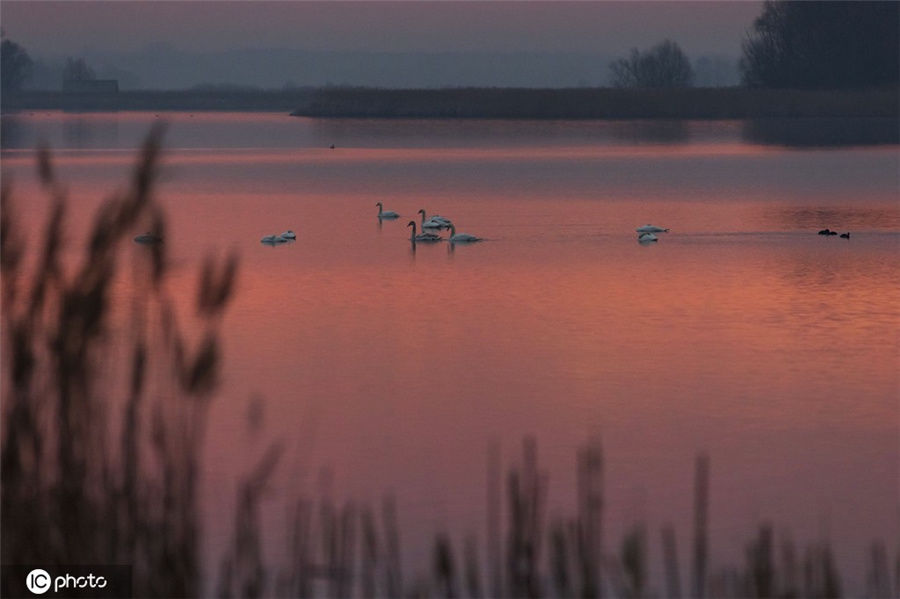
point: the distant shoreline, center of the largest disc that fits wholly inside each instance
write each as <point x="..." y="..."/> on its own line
<point x="159" y="100"/>
<point x="487" y="103"/>
<point x="599" y="103"/>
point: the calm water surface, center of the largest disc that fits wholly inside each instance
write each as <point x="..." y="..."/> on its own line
<point x="741" y="332"/>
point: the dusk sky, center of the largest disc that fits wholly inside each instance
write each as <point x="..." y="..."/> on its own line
<point x="113" y="33"/>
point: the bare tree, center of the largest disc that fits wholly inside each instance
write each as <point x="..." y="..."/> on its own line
<point x="663" y="65"/>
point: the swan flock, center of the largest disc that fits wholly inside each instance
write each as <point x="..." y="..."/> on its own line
<point x="646" y="233"/>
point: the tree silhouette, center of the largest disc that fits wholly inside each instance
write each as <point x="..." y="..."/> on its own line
<point x="16" y="65"/>
<point x="77" y="69"/>
<point x="663" y="65"/>
<point x="823" y="45"/>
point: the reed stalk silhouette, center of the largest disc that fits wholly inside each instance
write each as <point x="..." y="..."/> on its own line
<point x="95" y="472"/>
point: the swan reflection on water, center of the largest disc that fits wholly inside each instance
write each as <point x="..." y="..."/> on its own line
<point x="148" y="238"/>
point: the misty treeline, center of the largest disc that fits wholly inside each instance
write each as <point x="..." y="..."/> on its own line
<point x="15" y="66"/>
<point x="18" y="68"/>
<point x="21" y="72"/>
<point x="815" y="44"/>
<point x="823" y="45"/>
<point x="77" y="69"/>
<point x="800" y="45"/>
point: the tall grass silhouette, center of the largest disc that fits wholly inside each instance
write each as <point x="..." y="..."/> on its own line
<point x="95" y="472"/>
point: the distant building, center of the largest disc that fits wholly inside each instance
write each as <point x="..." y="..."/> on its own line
<point x="91" y="86"/>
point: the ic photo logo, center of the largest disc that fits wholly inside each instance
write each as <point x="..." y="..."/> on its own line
<point x="38" y="581"/>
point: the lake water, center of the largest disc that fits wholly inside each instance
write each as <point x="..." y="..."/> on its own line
<point x="740" y="332"/>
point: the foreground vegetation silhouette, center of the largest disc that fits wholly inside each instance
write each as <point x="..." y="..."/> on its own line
<point x="102" y="451"/>
<point x="94" y="472"/>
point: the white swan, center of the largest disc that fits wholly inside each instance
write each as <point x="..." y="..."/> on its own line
<point x="424" y="236"/>
<point x="434" y="222"/>
<point x="651" y="229"/>
<point x="647" y="237"/>
<point x="382" y="213"/>
<point x="288" y="235"/>
<point x="273" y="239"/>
<point x="461" y="237"/>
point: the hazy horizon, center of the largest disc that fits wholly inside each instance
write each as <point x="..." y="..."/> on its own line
<point x="405" y="44"/>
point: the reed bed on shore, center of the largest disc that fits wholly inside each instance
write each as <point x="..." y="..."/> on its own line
<point x="598" y="103"/>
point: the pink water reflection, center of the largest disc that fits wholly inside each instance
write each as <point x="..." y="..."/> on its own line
<point x="741" y="332"/>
